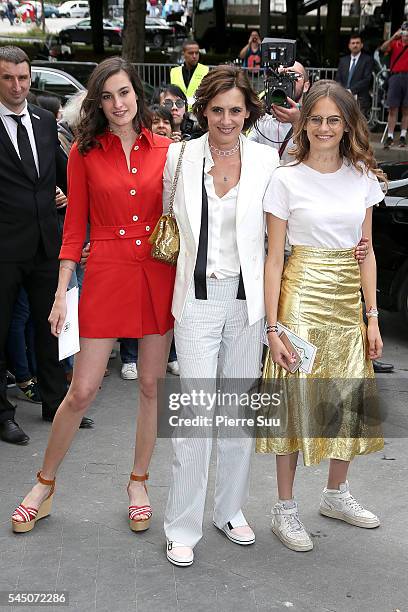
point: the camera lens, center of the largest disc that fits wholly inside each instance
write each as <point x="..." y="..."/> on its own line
<point x="278" y="97"/>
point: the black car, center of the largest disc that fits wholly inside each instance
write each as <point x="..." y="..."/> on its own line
<point x="390" y="240"/>
<point x="82" y="32"/>
<point x="158" y="33"/>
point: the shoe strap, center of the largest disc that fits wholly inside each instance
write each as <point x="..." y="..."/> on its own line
<point x="48" y="483"/>
<point x="172" y="544"/>
<point x="139" y="478"/>
<point x="135" y="511"/>
<point x="26" y="513"/>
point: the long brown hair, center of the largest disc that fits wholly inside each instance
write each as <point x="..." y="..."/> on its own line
<point x="355" y="144"/>
<point x="93" y="121"/>
<point x="222" y="79"/>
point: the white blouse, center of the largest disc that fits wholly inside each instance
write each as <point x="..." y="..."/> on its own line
<point x="222" y="253"/>
<point x="322" y="210"/>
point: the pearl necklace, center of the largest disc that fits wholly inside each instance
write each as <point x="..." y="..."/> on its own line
<point x="224" y="152"/>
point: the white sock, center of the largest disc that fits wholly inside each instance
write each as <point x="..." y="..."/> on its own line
<point x="403" y="133"/>
<point x="391" y="135"/>
<point x="288" y="503"/>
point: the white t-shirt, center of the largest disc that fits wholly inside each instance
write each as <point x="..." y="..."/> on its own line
<point x="269" y="131"/>
<point x="322" y="210"/>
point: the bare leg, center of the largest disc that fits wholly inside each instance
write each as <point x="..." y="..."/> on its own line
<point x="392" y="119"/>
<point x="337" y="473"/>
<point x="152" y="361"/>
<point x="89" y="368"/>
<point x="285" y="474"/>
<point x="404" y="120"/>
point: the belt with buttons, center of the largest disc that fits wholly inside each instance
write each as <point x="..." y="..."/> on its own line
<point x="111" y="232"/>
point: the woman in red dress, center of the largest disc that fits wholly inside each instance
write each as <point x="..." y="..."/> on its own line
<point x="115" y="182"/>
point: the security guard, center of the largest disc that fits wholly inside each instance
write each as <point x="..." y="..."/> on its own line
<point x="189" y="76"/>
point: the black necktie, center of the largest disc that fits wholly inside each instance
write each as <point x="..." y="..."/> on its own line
<point x="24" y="147"/>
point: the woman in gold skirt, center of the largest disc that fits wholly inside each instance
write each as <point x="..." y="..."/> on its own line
<point x="323" y="203"/>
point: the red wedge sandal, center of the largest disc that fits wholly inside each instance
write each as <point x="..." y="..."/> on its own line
<point x="136" y="523"/>
<point x="24" y="517"/>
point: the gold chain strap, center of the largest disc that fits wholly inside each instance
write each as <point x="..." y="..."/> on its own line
<point x="175" y="180"/>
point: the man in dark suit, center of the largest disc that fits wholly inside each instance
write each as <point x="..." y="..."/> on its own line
<point x="355" y="72"/>
<point x="31" y="164"/>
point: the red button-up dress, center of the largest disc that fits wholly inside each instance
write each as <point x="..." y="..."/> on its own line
<point x="126" y="293"/>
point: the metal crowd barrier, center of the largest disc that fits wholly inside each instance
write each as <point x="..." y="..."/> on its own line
<point x="379" y="110"/>
<point x="158" y="74"/>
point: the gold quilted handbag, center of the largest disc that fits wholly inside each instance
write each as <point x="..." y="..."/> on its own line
<point x="165" y="239"/>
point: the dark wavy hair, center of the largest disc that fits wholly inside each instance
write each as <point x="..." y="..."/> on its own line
<point x="94" y="122"/>
<point x="355" y="144"/>
<point x="219" y="80"/>
<point x="174" y="90"/>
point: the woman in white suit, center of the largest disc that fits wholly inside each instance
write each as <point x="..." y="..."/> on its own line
<point x="218" y="299"/>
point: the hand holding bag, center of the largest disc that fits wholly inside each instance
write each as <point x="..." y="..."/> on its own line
<point x="165" y="239"/>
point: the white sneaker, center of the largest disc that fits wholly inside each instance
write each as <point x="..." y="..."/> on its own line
<point x="342" y="505"/>
<point x="129" y="371"/>
<point x="287" y="525"/>
<point x="179" y="554"/>
<point x="174" y="368"/>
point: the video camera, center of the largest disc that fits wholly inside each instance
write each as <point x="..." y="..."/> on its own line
<point x="276" y="53"/>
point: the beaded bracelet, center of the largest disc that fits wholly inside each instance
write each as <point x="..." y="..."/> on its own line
<point x="372" y="312"/>
<point x="271" y="328"/>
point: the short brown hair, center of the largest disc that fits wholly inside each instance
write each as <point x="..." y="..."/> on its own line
<point x="93" y="121"/>
<point x="222" y="79"/>
<point x="355" y="145"/>
<point x="14" y="55"/>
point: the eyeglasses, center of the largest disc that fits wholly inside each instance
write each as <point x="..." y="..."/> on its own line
<point x="179" y="103"/>
<point x="334" y="121"/>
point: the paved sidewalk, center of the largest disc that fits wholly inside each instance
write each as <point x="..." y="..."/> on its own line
<point x="86" y="547"/>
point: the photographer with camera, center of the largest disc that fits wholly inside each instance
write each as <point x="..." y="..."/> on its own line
<point x="397" y="97"/>
<point x="276" y="129"/>
<point x="174" y="99"/>
<point x="251" y="53"/>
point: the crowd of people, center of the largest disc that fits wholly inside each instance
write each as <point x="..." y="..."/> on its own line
<point x="103" y="176"/>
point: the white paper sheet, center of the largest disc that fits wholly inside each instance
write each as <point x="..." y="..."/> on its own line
<point x="68" y="340"/>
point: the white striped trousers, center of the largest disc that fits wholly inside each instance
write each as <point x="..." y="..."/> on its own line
<point x="213" y="335"/>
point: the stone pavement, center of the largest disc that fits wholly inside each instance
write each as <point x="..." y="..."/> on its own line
<point x="86" y="547"/>
<point x="394" y="153"/>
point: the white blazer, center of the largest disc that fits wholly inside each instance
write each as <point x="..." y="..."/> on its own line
<point x="257" y="163"/>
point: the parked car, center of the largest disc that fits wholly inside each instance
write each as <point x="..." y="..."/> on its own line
<point x="74" y="9"/>
<point x="160" y="34"/>
<point x="51" y="11"/>
<point x="82" y="32"/>
<point x="390" y="240"/>
<point x="80" y="71"/>
<point x="52" y="80"/>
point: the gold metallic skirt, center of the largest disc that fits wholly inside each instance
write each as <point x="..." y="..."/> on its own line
<point x="331" y="412"/>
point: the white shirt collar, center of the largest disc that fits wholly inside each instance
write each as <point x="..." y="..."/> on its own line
<point x="4" y="110"/>
<point x="355" y="57"/>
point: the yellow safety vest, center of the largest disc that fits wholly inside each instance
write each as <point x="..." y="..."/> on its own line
<point x="176" y="78"/>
